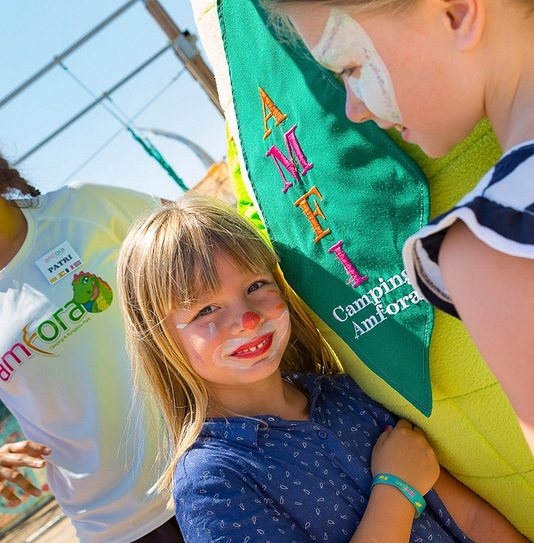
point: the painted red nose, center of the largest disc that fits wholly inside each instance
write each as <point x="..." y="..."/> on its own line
<point x="250" y="320"/>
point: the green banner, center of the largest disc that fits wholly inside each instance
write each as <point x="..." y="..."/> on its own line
<point x="338" y="200"/>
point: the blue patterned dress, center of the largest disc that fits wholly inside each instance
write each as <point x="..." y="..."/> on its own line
<point x="273" y="480"/>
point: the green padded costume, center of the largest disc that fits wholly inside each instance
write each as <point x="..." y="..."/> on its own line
<point x="472" y="425"/>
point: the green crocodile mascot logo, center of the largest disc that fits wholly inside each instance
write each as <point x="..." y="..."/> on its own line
<point x="91" y="292"/>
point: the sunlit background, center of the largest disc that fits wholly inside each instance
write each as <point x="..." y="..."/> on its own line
<point x="98" y="147"/>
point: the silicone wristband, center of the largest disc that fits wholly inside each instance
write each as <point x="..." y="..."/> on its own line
<point x="417" y="500"/>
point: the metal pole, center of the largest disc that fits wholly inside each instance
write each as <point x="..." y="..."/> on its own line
<point x="65" y="54"/>
<point x="92" y="105"/>
<point x="185" y="50"/>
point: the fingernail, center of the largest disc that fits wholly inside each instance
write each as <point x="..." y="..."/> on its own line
<point x="388" y="427"/>
<point x="16" y="501"/>
<point x="36" y="492"/>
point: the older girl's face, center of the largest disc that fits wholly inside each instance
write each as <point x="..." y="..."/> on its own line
<point x="237" y="335"/>
<point x="400" y="71"/>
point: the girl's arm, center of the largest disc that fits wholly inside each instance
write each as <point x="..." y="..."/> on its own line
<point x="387" y="519"/>
<point x="494" y="295"/>
<point x="402" y="451"/>
<point x="475" y="517"/>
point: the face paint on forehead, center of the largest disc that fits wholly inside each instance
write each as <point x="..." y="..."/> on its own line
<point x="345" y="43"/>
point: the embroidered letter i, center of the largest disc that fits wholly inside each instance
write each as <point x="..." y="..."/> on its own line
<point x="355" y="278"/>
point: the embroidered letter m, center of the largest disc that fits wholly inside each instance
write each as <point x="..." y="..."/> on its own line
<point x="288" y="163"/>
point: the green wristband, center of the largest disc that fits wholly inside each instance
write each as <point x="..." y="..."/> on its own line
<point x="417" y="500"/>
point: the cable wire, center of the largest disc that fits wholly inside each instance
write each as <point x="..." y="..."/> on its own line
<point x="81" y="113"/>
<point x="59" y="58"/>
<point x="124" y="126"/>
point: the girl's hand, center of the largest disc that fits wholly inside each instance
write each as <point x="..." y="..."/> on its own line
<point x="403" y="451"/>
<point x="19" y="455"/>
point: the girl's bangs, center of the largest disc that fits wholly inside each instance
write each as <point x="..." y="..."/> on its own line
<point x="247" y="255"/>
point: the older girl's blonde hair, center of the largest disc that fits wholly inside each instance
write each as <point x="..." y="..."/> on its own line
<point x="166" y="260"/>
<point x="278" y="10"/>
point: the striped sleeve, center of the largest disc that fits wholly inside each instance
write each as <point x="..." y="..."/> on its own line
<point x="499" y="211"/>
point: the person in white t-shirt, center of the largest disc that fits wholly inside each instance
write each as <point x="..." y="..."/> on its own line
<point x="64" y="371"/>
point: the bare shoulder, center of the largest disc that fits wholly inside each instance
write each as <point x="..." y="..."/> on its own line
<point x="493" y="293"/>
<point x="484" y="282"/>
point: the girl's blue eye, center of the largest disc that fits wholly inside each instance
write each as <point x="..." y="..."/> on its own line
<point x="206" y="311"/>
<point x="255" y="286"/>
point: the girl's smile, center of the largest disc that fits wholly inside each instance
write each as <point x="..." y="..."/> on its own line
<point x="254" y="348"/>
<point x="265" y="346"/>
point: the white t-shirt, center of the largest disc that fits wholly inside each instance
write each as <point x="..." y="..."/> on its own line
<point x="64" y="371"/>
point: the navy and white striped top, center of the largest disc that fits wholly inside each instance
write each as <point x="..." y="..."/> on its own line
<point x="499" y="211"/>
<point x="279" y="481"/>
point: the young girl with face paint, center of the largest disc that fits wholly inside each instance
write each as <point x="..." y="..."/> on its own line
<point x="433" y="69"/>
<point x="267" y="441"/>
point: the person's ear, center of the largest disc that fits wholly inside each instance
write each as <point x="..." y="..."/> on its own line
<point x="465" y="20"/>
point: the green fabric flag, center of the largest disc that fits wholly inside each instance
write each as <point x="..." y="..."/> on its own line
<point x="338" y="200"/>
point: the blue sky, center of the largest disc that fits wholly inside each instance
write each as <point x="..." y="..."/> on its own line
<point x="33" y="32"/>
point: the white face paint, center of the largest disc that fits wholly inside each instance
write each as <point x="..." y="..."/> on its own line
<point x="211" y="327"/>
<point x="244" y="325"/>
<point x="228" y="353"/>
<point x="345" y="44"/>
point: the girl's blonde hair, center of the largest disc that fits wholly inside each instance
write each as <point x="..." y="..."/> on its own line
<point x="166" y="261"/>
<point x="279" y="19"/>
<point x="278" y="10"/>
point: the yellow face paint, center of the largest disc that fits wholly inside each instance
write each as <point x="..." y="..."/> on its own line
<point x="12" y="221"/>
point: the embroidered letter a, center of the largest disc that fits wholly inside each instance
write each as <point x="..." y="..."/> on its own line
<point x="268" y="104"/>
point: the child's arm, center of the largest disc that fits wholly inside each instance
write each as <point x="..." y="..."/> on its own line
<point x="475" y="517"/>
<point x="493" y="294"/>
<point x="404" y="452"/>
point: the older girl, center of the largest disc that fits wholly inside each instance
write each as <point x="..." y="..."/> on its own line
<point x="433" y="69"/>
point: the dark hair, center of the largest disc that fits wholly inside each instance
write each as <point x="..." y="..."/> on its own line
<point x="11" y="182"/>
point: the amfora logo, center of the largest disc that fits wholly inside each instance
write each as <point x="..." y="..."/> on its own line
<point x="91" y="295"/>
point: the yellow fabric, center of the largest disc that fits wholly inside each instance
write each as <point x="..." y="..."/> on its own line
<point x="472" y="428"/>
